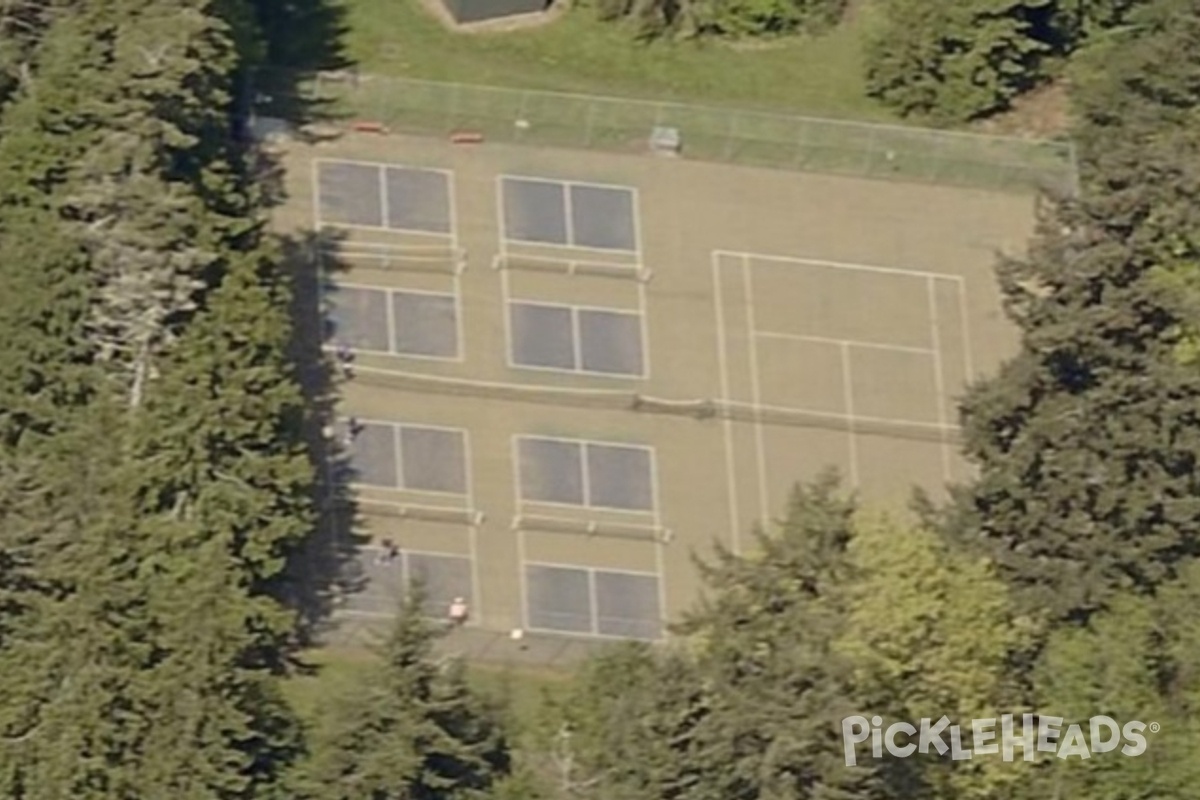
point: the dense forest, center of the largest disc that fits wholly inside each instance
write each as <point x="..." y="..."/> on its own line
<point x="157" y="480"/>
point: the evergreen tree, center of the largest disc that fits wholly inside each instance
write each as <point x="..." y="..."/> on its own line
<point x="765" y="636"/>
<point x="951" y="62"/>
<point x="1087" y="440"/>
<point x="412" y="730"/>
<point x="930" y="633"/>
<point x="633" y="724"/>
<point x="150" y="477"/>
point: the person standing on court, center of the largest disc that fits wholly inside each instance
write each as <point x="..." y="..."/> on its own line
<point x="458" y="612"/>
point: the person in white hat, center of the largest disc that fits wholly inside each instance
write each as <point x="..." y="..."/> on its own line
<point x="458" y="611"/>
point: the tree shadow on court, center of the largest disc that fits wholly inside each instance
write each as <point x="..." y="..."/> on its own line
<point x="326" y="568"/>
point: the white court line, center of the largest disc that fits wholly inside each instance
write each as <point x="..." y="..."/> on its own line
<point x="756" y="393"/>
<point x="473" y="528"/>
<point x="848" y="392"/>
<point x="587" y="477"/>
<point x="452" y="202"/>
<point x="727" y="424"/>
<point x="966" y="333"/>
<point x="460" y="344"/>
<point x="593" y="602"/>
<point x="384" y="210"/>
<point x="939" y="380"/>
<point x="659" y="543"/>
<point x="567" y="210"/>
<point x="635" y="205"/>
<point x="899" y="348"/>
<point x="576" y="338"/>
<point x="515" y="463"/>
<point x="816" y="262"/>
<point x="398" y="454"/>
<point x="644" y="330"/>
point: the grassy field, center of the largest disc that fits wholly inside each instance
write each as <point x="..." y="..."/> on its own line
<point x="578" y="53"/>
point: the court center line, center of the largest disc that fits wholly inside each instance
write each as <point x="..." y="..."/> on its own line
<point x="397" y="452"/>
<point x="939" y="380"/>
<point x="727" y="424"/>
<point x="473" y="527"/>
<point x="852" y="434"/>
<point x="756" y="393"/>
<point x="515" y="463"/>
<point x="644" y="325"/>
<point x="899" y="348"/>
<point x="384" y="210"/>
<point x="570" y="223"/>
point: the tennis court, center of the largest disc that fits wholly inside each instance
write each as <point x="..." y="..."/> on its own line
<point x="574" y="372"/>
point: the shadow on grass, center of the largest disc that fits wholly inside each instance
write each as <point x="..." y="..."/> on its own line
<point x="300" y="38"/>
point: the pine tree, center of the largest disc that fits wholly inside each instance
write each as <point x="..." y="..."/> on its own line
<point x="765" y="635"/>
<point x="411" y="730"/>
<point x="151" y="481"/>
<point x="1087" y="439"/>
<point x="952" y="62"/>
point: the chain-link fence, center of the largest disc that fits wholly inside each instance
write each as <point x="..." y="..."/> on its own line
<point x="706" y="133"/>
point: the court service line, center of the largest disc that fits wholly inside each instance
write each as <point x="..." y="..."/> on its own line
<point x="899" y="348"/>
<point x="817" y="262"/>
<point x="756" y="393"/>
<point x="939" y="381"/>
<point x="727" y="424"/>
<point x="848" y="392"/>
<point x="964" y="318"/>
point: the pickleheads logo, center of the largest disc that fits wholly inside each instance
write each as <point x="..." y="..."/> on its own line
<point x="1035" y="734"/>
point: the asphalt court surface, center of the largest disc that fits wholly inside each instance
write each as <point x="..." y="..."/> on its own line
<point x="568" y="214"/>
<point x="395" y="197"/>
<point x="863" y="348"/>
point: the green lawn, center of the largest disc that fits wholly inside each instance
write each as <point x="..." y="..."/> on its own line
<point x="577" y="53"/>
